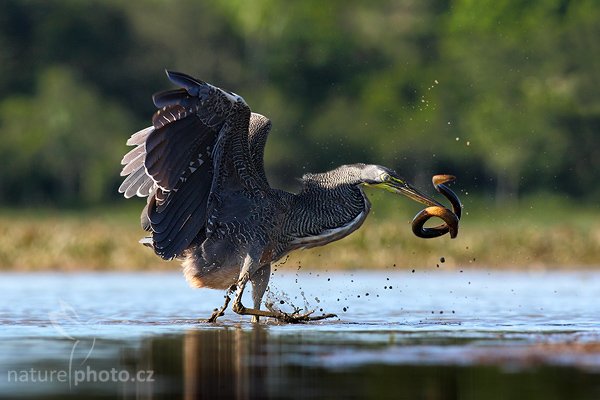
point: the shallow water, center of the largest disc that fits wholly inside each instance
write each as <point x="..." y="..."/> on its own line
<point x="431" y="334"/>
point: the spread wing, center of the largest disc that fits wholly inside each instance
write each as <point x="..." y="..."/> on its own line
<point x="196" y="148"/>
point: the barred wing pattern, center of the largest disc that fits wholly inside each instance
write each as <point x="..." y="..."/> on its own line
<point x="197" y="133"/>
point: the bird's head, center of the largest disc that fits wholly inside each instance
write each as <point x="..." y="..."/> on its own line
<point x="385" y="178"/>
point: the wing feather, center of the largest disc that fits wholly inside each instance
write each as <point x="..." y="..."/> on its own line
<point x="133" y="182"/>
<point x="135" y="163"/>
<point x="140" y="136"/>
<point x="170" y="149"/>
<point x="138" y="178"/>
<point x="186" y="201"/>
<point x="187" y="212"/>
<point x="145" y="188"/>
<point x="198" y="145"/>
<point x="169" y="97"/>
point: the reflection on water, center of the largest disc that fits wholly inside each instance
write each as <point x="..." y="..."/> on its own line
<point x="251" y="362"/>
<point x="218" y="362"/>
<point x="499" y="336"/>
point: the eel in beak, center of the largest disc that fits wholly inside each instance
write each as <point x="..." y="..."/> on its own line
<point x="450" y="218"/>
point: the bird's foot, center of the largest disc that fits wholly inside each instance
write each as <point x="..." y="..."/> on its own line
<point x="305" y="317"/>
<point x="292" y="318"/>
<point x="219" y="312"/>
<point x="297" y="316"/>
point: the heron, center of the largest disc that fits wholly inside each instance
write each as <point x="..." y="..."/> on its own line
<point x="209" y="203"/>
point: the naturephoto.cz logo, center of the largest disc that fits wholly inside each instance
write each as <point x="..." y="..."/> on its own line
<point x="80" y="372"/>
<point x="78" y="375"/>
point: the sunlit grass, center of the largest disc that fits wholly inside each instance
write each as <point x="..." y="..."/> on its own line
<point x="103" y="239"/>
<point x="536" y="233"/>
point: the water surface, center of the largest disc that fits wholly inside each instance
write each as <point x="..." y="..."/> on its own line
<point x="426" y="334"/>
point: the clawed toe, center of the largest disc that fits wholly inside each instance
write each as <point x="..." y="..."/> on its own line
<point x="216" y="314"/>
<point x="295" y="318"/>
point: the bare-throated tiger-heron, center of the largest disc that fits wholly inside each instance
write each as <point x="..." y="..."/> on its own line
<point x="209" y="202"/>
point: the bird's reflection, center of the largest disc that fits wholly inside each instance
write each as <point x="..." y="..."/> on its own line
<point x="228" y="363"/>
<point x="234" y="361"/>
<point x="247" y="362"/>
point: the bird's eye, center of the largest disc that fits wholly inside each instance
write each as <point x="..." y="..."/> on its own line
<point x="384" y="177"/>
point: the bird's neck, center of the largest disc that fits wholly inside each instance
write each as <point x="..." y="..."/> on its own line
<point x="324" y="212"/>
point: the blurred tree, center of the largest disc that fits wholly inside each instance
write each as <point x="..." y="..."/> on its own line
<point x="60" y="145"/>
<point x="183" y="35"/>
<point x="91" y="37"/>
<point x="579" y="59"/>
<point x="347" y="71"/>
<point x="513" y="85"/>
<point x="388" y="82"/>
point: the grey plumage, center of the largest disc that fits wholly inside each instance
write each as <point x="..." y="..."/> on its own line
<point x="209" y="201"/>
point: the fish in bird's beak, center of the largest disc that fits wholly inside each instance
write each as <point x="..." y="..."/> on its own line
<point x="451" y="219"/>
<point x="397" y="185"/>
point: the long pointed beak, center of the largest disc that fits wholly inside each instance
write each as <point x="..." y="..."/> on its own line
<point x="397" y="185"/>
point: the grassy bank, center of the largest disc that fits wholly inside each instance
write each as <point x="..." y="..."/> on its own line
<point x="536" y="233"/>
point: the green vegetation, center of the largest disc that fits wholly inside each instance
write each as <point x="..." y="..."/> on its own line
<point x="503" y="94"/>
<point x="554" y="236"/>
<point x="389" y="82"/>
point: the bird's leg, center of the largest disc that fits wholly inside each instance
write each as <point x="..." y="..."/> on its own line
<point x="218" y="312"/>
<point x="239" y="308"/>
<point x="259" y="280"/>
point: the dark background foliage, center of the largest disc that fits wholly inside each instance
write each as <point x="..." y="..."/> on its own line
<point x="504" y="94"/>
